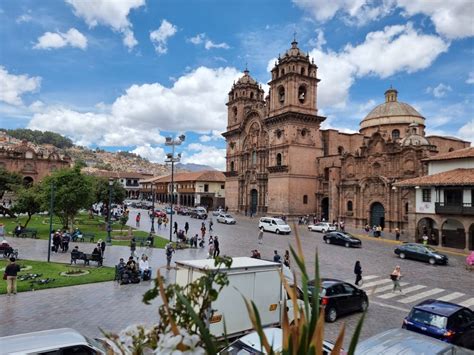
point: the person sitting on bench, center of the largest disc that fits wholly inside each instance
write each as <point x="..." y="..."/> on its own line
<point x="97" y="255"/>
<point x="18" y="230"/>
<point x="144" y="268"/>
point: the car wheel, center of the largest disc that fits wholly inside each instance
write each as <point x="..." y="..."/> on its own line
<point x="327" y="240"/>
<point x="402" y="256"/>
<point x="347" y="245"/>
<point x="277" y="231"/>
<point x="331" y="314"/>
<point x="364" y="305"/>
<point x="323" y="231"/>
<point x="432" y="261"/>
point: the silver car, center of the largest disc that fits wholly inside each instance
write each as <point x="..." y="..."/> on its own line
<point x="322" y="227"/>
<point x="226" y="219"/>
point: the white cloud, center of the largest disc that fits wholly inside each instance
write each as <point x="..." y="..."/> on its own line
<point x="466" y="132"/>
<point x="197" y="153"/>
<point x="110" y="13"/>
<point x="452" y="19"/>
<point x="159" y="37"/>
<point x="319" y="41"/>
<point x="470" y="79"/>
<point x="202" y="38"/>
<point x="14" y="86"/>
<point x="195" y="102"/>
<point x="72" y="38"/>
<point x="153" y="154"/>
<point x="23" y="18"/>
<point x="439" y="91"/>
<point x="214" y="136"/>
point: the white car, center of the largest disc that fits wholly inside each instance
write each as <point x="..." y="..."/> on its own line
<point x="226" y="219"/>
<point x="217" y="212"/>
<point x="322" y="227"/>
<point x="250" y="343"/>
<point x="272" y="224"/>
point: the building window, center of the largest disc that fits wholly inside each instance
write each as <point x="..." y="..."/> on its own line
<point x="453" y="197"/>
<point x="278" y="158"/>
<point x="302" y="93"/>
<point x="302" y="71"/>
<point x="395" y="134"/>
<point x="406" y="207"/>
<point x="426" y="195"/>
<point x="305" y="199"/>
<point x="231" y="166"/>
<point x="206" y="187"/>
<point x="326" y="174"/>
<point x="222" y="187"/>
<point x="251" y="95"/>
<point x="349" y="206"/>
<point x="451" y="150"/>
<point x="340" y="150"/>
<point x="254" y="157"/>
<point x="281" y="94"/>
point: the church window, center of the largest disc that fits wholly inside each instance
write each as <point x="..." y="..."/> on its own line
<point x="281" y="94"/>
<point x="406" y="207"/>
<point x="254" y="157"/>
<point x="29" y="155"/>
<point x="278" y="159"/>
<point x="293" y="68"/>
<point x="426" y="195"/>
<point x="326" y="174"/>
<point x="231" y="166"/>
<point x="302" y="93"/>
<point x="302" y="71"/>
<point x="340" y="150"/>
<point x="376" y="167"/>
<point x="395" y="134"/>
<point x="451" y="150"/>
<point x="303" y="132"/>
<point x="278" y="133"/>
<point x="235" y="113"/>
<point x="251" y="95"/>
<point x="305" y="199"/>
<point x="283" y="72"/>
<point x="349" y="206"/>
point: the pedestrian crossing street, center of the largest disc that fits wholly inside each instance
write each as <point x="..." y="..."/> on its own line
<point x="381" y="287"/>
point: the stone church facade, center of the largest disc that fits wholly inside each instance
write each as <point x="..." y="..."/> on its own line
<point x="280" y="162"/>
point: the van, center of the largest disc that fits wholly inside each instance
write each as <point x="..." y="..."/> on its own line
<point x="52" y="342"/>
<point x="275" y="225"/>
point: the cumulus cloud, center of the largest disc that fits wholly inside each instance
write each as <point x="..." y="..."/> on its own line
<point x="195" y="102"/>
<point x="50" y="40"/>
<point x="159" y="37"/>
<point x="214" y="136"/>
<point x="109" y="13"/>
<point x="198" y="153"/>
<point x="439" y="91"/>
<point x="466" y="132"/>
<point x="14" y="86"/>
<point x="202" y="38"/>
<point x="470" y="79"/>
<point x="153" y="154"/>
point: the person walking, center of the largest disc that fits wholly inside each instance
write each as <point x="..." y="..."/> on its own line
<point x="203" y="230"/>
<point x="217" y="250"/>
<point x="260" y="236"/>
<point x="358" y="272"/>
<point x="395" y="276"/>
<point x="165" y="221"/>
<point x="175" y="227"/>
<point x="425" y="239"/>
<point x="276" y="257"/>
<point x="137" y="219"/>
<point x="186" y="227"/>
<point x="160" y="222"/>
<point x="102" y="247"/>
<point x="211" y="247"/>
<point x="11" y="272"/>
<point x="169" y="254"/>
<point x="397" y="234"/>
<point x="210" y="224"/>
<point x="133" y="247"/>
<point x="286" y="259"/>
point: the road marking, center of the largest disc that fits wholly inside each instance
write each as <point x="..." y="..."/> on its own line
<point x="375" y="283"/>
<point x="407" y="290"/>
<point x="468" y="303"/>
<point x="419" y="296"/>
<point x="406" y="310"/>
<point x="369" y="277"/>
<point x="450" y="296"/>
<point x="388" y="288"/>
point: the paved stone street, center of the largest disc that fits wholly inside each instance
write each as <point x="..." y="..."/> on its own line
<point x="113" y="307"/>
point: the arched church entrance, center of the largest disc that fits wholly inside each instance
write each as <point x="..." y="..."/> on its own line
<point x="207" y="201"/>
<point x="325" y="209"/>
<point x="27" y="181"/>
<point x="453" y="234"/>
<point x="428" y="226"/>
<point x="253" y="201"/>
<point x="377" y="215"/>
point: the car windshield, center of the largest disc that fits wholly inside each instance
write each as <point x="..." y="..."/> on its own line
<point x="97" y="343"/>
<point x="430" y="249"/>
<point x="280" y="222"/>
<point x="239" y="348"/>
<point x="428" y="318"/>
<point x="228" y="216"/>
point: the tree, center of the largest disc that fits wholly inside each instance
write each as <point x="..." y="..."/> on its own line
<point x="73" y="191"/>
<point x="29" y="201"/>
<point x="8" y="181"/>
<point x="123" y="221"/>
<point x="102" y="193"/>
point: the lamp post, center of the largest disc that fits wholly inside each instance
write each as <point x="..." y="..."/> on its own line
<point x="152" y="229"/>
<point x="170" y="158"/>
<point x="109" y="225"/>
<point x="51" y="207"/>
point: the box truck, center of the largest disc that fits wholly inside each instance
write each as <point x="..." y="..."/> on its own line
<point x="255" y="279"/>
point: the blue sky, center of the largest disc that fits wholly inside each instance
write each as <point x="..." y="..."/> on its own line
<point x="124" y="74"/>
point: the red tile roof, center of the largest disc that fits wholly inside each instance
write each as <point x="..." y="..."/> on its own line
<point x="455" y="154"/>
<point x="207" y="175"/>
<point x="456" y="177"/>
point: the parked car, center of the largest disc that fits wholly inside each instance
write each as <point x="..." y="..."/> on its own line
<point x="217" y="212"/>
<point x="341" y="238"/>
<point x="442" y="320"/>
<point x="420" y="252"/>
<point x="250" y="343"/>
<point x="339" y="297"/>
<point x="168" y="210"/>
<point x="54" y="341"/>
<point x="159" y="213"/>
<point x="226" y="219"/>
<point x="400" y="341"/>
<point x="198" y="212"/>
<point x="272" y="224"/>
<point x="322" y="227"/>
<point x="183" y="211"/>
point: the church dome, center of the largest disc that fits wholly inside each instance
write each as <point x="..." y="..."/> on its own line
<point x="246" y="79"/>
<point x="392" y="112"/>
<point x="413" y="137"/>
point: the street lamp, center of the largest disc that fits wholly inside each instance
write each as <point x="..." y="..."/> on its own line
<point x="152" y="229"/>
<point x="170" y="158"/>
<point x="51" y="207"/>
<point x="109" y="226"/>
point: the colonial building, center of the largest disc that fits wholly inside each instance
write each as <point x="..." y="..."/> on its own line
<point x="205" y="188"/>
<point x="279" y="161"/>
<point x="30" y="161"/>
<point x="444" y="200"/>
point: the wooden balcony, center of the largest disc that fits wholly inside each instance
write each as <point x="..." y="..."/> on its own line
<point x="463" y="209"/>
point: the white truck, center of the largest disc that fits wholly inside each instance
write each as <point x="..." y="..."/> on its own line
<point x="255" y="279"/>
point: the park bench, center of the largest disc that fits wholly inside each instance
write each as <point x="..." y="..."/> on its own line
<point x="9" y="253"/>
<point x="87" y="258"/>
<point x="29" y="233"/>
<point x="83" y="237"/>
<point x="143" y="241"/>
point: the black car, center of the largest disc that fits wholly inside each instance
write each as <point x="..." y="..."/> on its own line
<point x="339" y="297"/>
<point x="342" y="238"/>
<point x="446" y="321"/>
<point x="420" y="252"/>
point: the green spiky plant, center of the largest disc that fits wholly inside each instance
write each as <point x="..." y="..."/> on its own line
<point x="306" y="334"/>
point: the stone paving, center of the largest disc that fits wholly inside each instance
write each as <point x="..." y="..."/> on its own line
<point x="113" y="307"/>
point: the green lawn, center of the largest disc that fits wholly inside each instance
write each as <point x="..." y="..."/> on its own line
<point x="86" y="225"/>
<point x="52" y="271"/>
